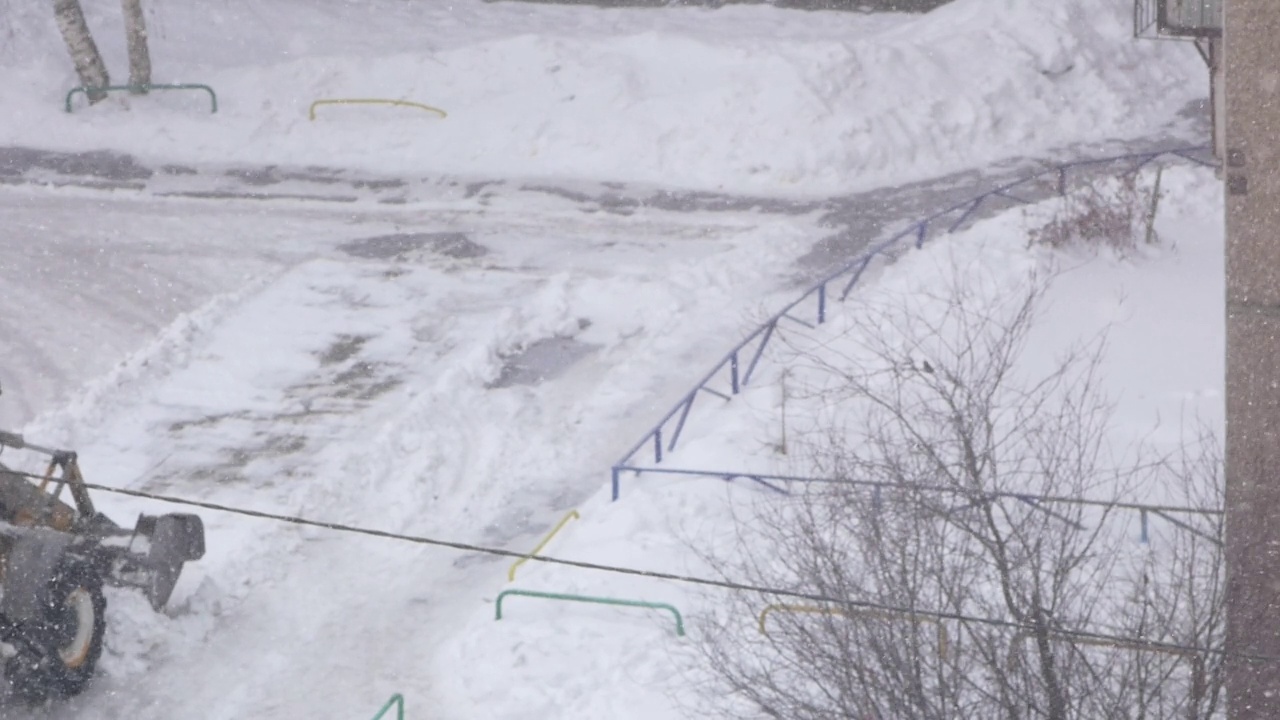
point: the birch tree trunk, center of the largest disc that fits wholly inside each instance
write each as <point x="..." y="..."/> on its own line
<point x="84" y="52"/>
<point x="135" y="32"/>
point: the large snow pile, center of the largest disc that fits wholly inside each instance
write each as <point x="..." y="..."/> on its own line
<point x="743" y="98"/>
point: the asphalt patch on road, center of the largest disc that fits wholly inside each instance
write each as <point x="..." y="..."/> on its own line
<point x="105" y="164"/>
<point x="343" y="348"/>
<point x="395" y="247"/>
<point x="540" y="361"/>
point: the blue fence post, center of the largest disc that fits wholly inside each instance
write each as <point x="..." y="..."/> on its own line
<point x="616" y="482"/>
<point x="684" y="415"/>
<point x="657" y="445"/>
<point x="822" y="303"/>
<point x="1145" y="539"/>
<point x="764" y="342"/>
<point x="854" y="280"/>
<point x="733" y="371"/>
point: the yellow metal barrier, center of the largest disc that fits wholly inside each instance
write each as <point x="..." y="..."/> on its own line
<point x="511" y="574"/>
<point x="373" y="101"/>
<point x="943" y="639"/>
<point x="1198" y="682"/>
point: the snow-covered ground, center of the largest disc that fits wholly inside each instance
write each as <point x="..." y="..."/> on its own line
<point x="378" y="380"/>
<point x="742" y="98"/>
<point x="1163" y="369"/>
<point x="466" y="362"/>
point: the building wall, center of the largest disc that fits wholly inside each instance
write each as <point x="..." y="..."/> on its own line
<point x="1252" y="174"/>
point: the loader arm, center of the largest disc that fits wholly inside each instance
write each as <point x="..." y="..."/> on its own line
<point x="72" y="477"/>
<point x="67" y="462"/>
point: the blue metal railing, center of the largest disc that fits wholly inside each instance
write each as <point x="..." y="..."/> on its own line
<point x="755" y="343"/>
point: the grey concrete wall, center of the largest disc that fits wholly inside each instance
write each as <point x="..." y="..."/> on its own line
<point x="1252" y="174"/>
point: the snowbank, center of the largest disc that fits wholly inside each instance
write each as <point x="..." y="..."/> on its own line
<point x="750" y="99"/>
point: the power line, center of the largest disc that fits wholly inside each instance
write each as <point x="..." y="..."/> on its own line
<point x="687" y="579"/>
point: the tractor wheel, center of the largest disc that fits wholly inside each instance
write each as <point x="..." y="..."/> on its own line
<point x="62" y="647"/>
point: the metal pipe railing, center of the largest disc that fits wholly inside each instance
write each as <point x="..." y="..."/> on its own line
<point x="497" y="615"/>
<point x="572" y="515"/>
<point x="1058" y="176"/>
<point x="145" y="88"/>
<point x="311" y="113"/>
<point x="943" y="639"/>
<point x="396" y="701"/>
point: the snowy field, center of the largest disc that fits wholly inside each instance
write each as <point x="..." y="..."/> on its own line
<point x="466" y="362"/>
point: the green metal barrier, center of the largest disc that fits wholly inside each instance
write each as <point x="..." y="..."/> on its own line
<point x="589" y="599"/>
<point x="374" y="101"/>
<point x="213" y="98"/>
<point x="398" y="701"/>
<point x="511" y="574"/>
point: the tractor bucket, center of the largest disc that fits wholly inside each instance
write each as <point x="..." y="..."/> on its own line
<point x="171" y="540"/>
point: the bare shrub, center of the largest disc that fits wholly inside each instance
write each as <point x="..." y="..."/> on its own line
<point x="1110" y="213"/>
<point x="953" y="471"/>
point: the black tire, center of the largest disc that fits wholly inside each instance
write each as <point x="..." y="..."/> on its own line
<point x="60" y="650"/>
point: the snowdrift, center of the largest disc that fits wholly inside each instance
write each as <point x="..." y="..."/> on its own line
<point x="743" y="99"/>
